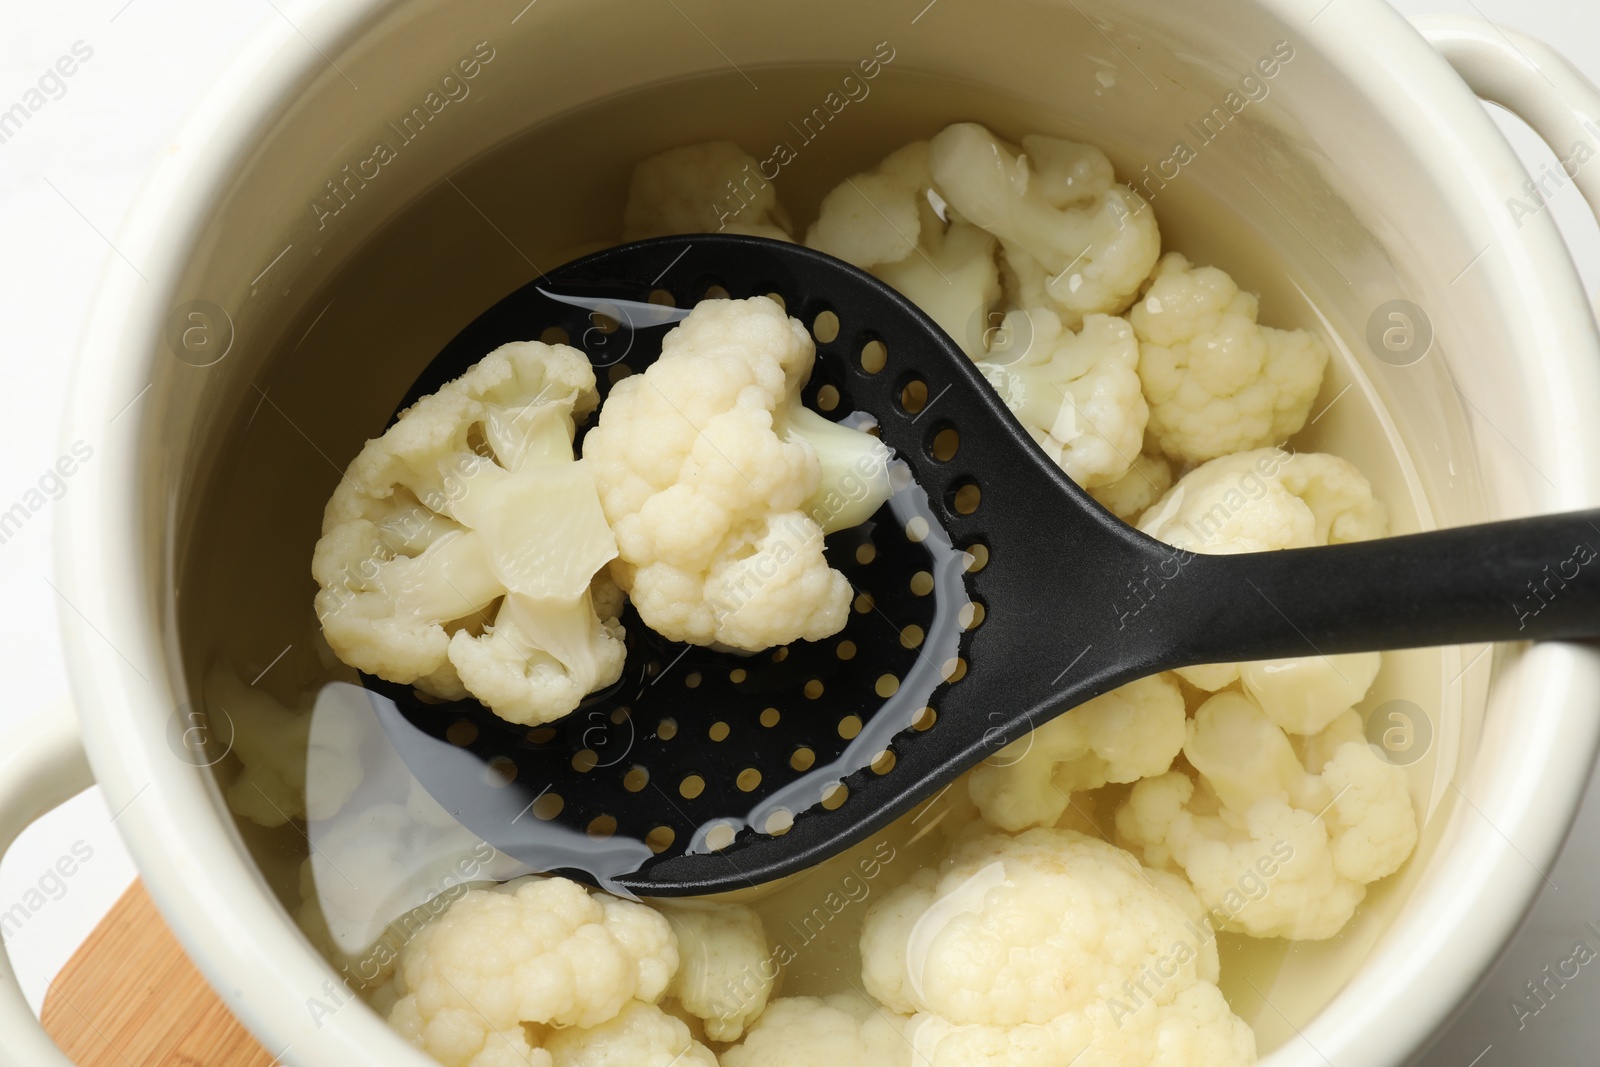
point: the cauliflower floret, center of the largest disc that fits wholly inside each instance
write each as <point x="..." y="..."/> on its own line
<point x="280" y="753"/>
<point x="1217" y="382"/>
<point x="1077" y="394"/>
<point x="641" y="1035"/>
<point x="720" y="484"/>
<point x="953" y="277"/>
<point x="845" y="1030"/>
<point x="886" y="934"/>
<point x="926" y="221"/>
<point x="1131" y="495"/>
<point x="1070" y="237"/>
<point x="1242" y="756"/>
<point x="1303" y="694"/>
<point x="487" y="976"/>
<point x="1129" y="733"/>
<point x="1272" y="877"/>
<point x="400" y="860"/>
<point x="703" y="188"/>
<point x="1047" y="948"/>
<point x="1373" y="825"/>
<point x="390" y="856"/>
<point x="368" y="971"/>
<point x="1262" y="501"/>
<point x="1272" y="849"/>
<point x="1197" y="1027"/>
<point x="458" y="552"/>
<point x="1024" y="929"/>
<point x="891" y="221"/>
<point x="876" y="217"/>
<point x="411" y="868"/>
<point x="726" y="971"/>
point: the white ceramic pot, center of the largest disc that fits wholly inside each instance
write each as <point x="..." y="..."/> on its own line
<point x="1383" y="178"/>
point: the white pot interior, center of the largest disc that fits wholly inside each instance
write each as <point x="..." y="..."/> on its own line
<point x="1321" y="196"/>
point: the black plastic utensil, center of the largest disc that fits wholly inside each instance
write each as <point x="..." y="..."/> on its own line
<point x="993" y="595"/>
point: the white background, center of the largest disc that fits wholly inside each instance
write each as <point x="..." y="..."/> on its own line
<point x="67" y="180"/>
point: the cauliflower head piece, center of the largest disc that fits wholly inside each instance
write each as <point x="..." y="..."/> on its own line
<point x="1274" y="846"/>
<point x="1132" y="732"/>
<point x="1071" y="238"/>
<point x="726" y="969"/>
<point x="1217" y="381"/>
<point x="876" y="217"/>
<point x="1131" y="495"/>
<point x="1077" y="394"/>
<point x="892" y="221"/>
<point x="937" y="220"/>
<point x="413" y="859"/>
<point x="1197" y="1027"/>
<point x="703" y="188"/>
<point x="459" y="549"/>
<point x="953" y="277"/>
<point x="1046" y="947"/>
<point x="1261" y="501"/>
<point x="844" y="1030"/>
<point x="720" y="484"/>
<point x="641" y="1035"/>
<point x="1304" y="694"/>
<point x="1264" y="500"/>
<point x="1258" y="829"/>
<point x="484" y="984"/>
<point x="280" y="752"/>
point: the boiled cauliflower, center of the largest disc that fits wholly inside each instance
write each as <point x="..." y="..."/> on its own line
<point x="726" y="970"/>
<point x="459" y="550"/>
<point x="1262" y="501"/>
<point x="928" y="221"/>
<point x="280" y="752"/>
<point x="1304" y="694"/>
<point x="482" y="985"/>
<point x="1071" y="238"/>
<point x="641" y="1035"/>
<point x="1274" y="846"/>
<point x="1129" y="733"/>
<point x="1217" y="382"/>
<point x="1050" y="948"/>
<point x="892" y="222"/>
<point x="720" y="484"/>
<point x="703" y="188"/>
<point x="1149" y="475"/>
<point x="1265" y="500"/>
<point x="1197" y="1027"/>
<point x="378" y="864"/>
<point x="844" y="1030"/>
<point x="388" y="856"/>
<point x="876" y="217"/>
<point x="953" y="277"/>
<point x="1077" y="394"/>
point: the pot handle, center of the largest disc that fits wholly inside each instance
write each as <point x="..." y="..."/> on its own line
<point x="42" y="766"/>
<point x="1532" y="80"/>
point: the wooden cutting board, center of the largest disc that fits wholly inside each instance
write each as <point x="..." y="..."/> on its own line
<point x="129" y="997"/>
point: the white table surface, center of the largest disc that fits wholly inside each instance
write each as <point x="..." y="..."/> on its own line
<point x="72" y="173"/>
